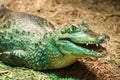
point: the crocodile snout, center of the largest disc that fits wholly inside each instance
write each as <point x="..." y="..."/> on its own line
<point x="103" y="37"/>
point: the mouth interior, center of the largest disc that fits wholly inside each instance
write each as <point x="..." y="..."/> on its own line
<point x="94" y="47"/>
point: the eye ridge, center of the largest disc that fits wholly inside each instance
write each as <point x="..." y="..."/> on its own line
<point x="74" y="28"/>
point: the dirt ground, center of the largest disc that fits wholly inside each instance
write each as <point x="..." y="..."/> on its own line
<point x="103" y="16"/>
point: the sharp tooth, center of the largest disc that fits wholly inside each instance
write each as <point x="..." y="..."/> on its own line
<point x="87" y="44"/>
<point x="92" y="51"/>
<point x="97" y="45"/>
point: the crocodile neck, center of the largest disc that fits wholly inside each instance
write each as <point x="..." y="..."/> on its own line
<point x="63" y="61"/>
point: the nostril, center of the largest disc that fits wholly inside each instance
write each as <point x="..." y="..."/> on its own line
<point x="103" y="38"/>
<point x="107" y="37"/>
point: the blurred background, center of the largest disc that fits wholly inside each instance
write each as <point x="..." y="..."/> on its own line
<point x="103" y="16"/>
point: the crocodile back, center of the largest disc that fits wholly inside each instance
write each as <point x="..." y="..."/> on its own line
<point x="23" y="21"/>
<point x="21" y="30"/>
<point x="31" y="23"/>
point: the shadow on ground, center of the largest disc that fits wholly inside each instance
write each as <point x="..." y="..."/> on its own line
<point x="78" y="70"/>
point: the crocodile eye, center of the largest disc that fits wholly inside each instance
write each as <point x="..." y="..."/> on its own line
<point x="71" y="29"/>
<point x="74" y="28"/>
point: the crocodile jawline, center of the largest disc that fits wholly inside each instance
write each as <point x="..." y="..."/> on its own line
<point x="93" y="47"/>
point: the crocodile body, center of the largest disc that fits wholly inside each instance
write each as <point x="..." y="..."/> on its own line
<point x="31" y="41"/>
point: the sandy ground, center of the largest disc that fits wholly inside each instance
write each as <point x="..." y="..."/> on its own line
<point x="103" y="16"/>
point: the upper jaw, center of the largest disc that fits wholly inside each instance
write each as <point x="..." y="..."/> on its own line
<point x="93" y="46"/>
<point x="89" y="39"/>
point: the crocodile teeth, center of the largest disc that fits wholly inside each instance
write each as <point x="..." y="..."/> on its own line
<point x="97" y="45"/>
<point x="92" y="51"/>
<point x="87" y="44"/>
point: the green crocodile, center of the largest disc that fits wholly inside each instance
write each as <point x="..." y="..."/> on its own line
<point x="32" y="42"/>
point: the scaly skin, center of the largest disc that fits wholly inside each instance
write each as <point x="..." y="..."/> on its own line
<point x="31" y="41"/>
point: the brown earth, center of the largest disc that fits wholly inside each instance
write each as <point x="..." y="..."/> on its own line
<point x="103" y="16"/>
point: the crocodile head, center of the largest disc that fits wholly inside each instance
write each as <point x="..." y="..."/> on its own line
<point x="79" y="39"/>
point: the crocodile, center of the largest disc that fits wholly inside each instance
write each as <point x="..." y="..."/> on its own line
<point x="33" y="42"/>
